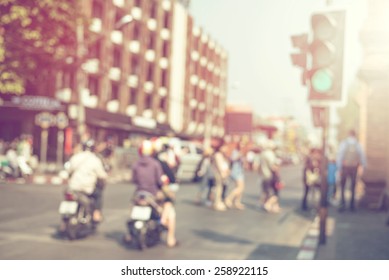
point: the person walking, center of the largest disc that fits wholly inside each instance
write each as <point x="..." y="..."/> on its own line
<point x="351" y="162"/>
<point x="331" y="176"/>
<point x="311" y="175"/>
<point x="268" y="169"/>
<point x="221" y="171"/>
<point x="234" y="198"/>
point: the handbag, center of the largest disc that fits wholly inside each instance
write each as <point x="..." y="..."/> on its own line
<point x="312" y="177"/>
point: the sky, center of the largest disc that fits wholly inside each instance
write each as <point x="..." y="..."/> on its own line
<point x="256" y="35"/>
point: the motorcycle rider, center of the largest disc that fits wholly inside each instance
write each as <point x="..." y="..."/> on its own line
<point x="86" y="169"/>
<point x="148" y="176"/>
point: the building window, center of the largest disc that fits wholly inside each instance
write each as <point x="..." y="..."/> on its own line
<point x="193" y="115"/>
<point x="118" y="17"/>
<point x="133" y="96"/>
<point x="67" y="79"/>
<point x="165" y="49"/>
<point x="94" y="50"/>
<point x="153" y="9"/>
<point x="150" y="72"/>
<point x="151" y="41"/>
<point x="93" y="85"/>
<point x="166" y="20"/>
<point x="196" y="43"/>
<point x="135" y="65"/>
<point x="202" y="95"/>
<point x="138" y="3"/>
<point x="162" y="104"/>
<point x="117" y="57"/>
<point x="136" y="31"/>
<point x="97" y="9"/>
<point x="164" y="78"/>
<point x="149" y="101"/>
<point x="114" y="91"/>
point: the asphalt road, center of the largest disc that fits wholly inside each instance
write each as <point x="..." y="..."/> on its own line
<point x="29" y="221"/>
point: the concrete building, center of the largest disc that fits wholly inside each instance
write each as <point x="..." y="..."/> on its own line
<point x="373" y="101"/>
<point x="157" y="74"/>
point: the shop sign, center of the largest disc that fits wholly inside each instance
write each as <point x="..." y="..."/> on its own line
<point x="62" y="120"/>
<point x="36" y="103"/>
<point x="45" y="120"/>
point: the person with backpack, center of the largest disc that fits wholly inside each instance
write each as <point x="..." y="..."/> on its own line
<point x="351" y="160"/>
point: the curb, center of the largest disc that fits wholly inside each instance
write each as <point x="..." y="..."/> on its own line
<point x="311" y="241"/>
<point x="44" y="179"/>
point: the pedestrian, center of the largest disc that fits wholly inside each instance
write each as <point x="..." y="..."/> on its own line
<point x="161" y="155"/>
<point x="269" y="168"/>
<point x="206" y="177"/>
<point x="351" y="162"/>
<point x="331" y="176"/>
<point x="221" y="171"/>
<point x="234" y="198"/>
<point x="250" y="157"/>
<point x="311" y="175"/>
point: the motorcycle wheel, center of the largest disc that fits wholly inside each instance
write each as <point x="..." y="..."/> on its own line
<point x="72" y="229"/>
<point x="139" y="239"/>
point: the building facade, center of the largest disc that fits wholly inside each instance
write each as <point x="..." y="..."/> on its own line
<point x="373" y="100"/>
<point x="156" y="74"/>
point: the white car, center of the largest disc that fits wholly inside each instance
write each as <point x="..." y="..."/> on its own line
<point x="190" y="155"/>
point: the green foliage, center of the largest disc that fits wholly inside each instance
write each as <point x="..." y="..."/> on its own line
<point x="36" y="37"/>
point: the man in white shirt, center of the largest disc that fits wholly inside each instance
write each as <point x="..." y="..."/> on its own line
<point x="85" y="168"/>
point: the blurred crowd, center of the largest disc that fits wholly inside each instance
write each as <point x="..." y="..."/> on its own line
<point x="16" y="158"/>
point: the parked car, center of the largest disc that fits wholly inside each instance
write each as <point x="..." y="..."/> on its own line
<point x="190" y="155"/>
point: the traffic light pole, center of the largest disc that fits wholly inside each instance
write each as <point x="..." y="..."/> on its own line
<point x="323" y="211"/>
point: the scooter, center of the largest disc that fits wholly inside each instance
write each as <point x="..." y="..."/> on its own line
<point x="76" y="218"/>
<point x="144" y="226"/>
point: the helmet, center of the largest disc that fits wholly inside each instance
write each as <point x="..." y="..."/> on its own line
<point x="89" y="145"/>
<point x="157" y="144"/>
<point x="146" y="148"/>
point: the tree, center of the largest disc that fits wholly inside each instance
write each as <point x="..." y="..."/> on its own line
<point x="36" y="38"/>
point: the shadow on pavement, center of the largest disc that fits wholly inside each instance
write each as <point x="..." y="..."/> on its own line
<point x="220" y="238"/>
<point x="273" y="252"/>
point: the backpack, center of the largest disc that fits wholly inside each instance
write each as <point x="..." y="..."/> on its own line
<point x="351" y="156"/>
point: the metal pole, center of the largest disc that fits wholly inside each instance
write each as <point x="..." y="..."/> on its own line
<point x="60" y="142"/>
<point x="44" y="138"/>
<point x="80" y="79"/>
<point x="323" y="212"/>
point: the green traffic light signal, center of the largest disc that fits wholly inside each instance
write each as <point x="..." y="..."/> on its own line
<point x="326" y="50"/>
<point x="322" y="81"/>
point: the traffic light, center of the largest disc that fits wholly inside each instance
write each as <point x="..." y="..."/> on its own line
<point x="326" y="50"/>
<point x="300" y="59"/>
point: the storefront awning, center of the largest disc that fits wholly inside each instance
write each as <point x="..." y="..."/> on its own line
<point x="104" y="119"/>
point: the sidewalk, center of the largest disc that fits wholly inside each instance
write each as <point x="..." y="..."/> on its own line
<point x="359" y="235"/>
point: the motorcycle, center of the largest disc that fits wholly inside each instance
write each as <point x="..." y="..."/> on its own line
<point x="144" y="226"/>
<point x="76" y="218"/>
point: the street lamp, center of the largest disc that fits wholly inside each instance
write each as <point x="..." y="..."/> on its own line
<point x="80" y="75"/>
